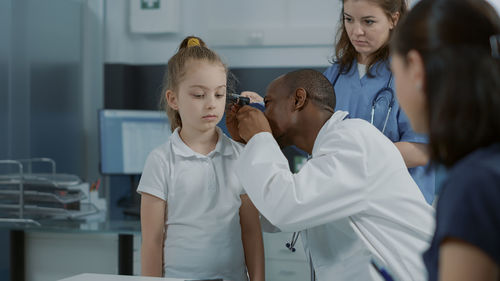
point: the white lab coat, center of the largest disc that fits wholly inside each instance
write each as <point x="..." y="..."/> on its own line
<point x="354" y="200"/>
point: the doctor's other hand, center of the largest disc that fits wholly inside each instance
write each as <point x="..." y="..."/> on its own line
<point x="253" y="96"/>
<point x="251" y="121"/>
<point x="232" y="123"/>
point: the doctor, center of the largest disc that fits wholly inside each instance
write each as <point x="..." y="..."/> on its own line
<point x="353" y="201"/>
<point x="364" y="83"/>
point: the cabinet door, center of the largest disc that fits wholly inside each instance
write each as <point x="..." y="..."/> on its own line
<point x="287" y="270"/>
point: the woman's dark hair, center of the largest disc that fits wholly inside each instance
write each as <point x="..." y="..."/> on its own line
<point x="462" y="78"/>
<point x="345" y="53"/>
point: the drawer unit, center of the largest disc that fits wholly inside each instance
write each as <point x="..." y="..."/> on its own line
<point x="287" y="270"/>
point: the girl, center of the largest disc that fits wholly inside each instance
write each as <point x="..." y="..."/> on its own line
<point x="447" y="77"/>
<point x="363" y="81"/>
<point x="196" y="221"/>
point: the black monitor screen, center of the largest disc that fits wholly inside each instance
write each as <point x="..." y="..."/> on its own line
<point x="127" y="137"/>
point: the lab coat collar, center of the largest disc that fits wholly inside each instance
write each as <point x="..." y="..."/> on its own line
<point x="335" y="119"/>
<point x="223" y="146"/>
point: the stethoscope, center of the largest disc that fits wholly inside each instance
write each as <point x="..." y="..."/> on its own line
<point x="291" y="245"/>
<point x="380" y="92"/>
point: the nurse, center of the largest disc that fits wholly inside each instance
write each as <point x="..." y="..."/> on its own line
<point x="353" y="201"/>
<point x="447" y="68"/>
<point x="364" y="83"/>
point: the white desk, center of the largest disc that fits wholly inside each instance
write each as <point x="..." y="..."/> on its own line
<point x="111" y="277"/>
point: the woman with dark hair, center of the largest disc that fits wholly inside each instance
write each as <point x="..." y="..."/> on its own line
<point x="363" y="81"/>
<point x="448" y="82"/>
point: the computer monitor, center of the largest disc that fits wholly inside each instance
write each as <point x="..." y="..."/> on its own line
<point x="126" y="137"/>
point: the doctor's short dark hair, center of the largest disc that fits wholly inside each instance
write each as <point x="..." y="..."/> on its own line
<point x="318" y="87"/>
<point x="462" y="78"/>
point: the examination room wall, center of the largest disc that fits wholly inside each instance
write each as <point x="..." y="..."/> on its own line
<point x="5" y="17"/>
<point x="44" y="95"/>
<point x="46" y="55"/>
<point x="245" y="33"/>
<point x="41" y="87"/>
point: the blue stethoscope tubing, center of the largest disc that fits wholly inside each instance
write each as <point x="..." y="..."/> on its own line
<point x="388" y="89"/>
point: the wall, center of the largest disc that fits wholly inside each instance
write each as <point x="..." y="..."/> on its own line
<point x="51" y="81"/>
<point x="246" y="33"/>
<point x="5" y="19"/>
<point x="51" y="57"/>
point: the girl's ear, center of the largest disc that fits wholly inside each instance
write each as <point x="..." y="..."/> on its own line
<point x="171" y="98"/>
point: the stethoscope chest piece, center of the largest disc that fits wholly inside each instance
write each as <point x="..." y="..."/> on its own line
<point x="291" y="245"/>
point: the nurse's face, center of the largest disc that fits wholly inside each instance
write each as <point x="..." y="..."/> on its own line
<point x="279" y="104"/>
<point x="367" y="26"/>
<point x="408" y="77"/>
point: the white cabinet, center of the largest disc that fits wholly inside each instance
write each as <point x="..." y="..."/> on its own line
<point x="51" y="256"/>
<point x="287" y="270"/>
<point x="281" y="263"/>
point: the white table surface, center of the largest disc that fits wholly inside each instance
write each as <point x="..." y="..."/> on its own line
<point x="111" y="277"/>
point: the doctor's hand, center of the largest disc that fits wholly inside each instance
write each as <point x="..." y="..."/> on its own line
<point x="251" y="121"/>
<point x="253" y="96"/>
<point x="232" y="123"/>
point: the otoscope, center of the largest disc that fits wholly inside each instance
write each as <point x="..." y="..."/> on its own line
<point x="241" y="101"/>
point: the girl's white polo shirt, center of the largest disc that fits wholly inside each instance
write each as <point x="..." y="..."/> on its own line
<point x="203" y="232"/>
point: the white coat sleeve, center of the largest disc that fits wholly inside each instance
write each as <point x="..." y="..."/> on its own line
<point x="327" y="188"/>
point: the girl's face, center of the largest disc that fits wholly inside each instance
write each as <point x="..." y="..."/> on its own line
<point x="367" y="26"/>
<point x="201" y="96"/>
<point x="408" y="77"/>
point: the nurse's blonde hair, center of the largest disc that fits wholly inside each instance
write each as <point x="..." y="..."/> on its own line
<point x="191" y="48"/>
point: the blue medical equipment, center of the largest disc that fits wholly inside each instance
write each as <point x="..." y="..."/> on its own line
<point x="378" y="96"/>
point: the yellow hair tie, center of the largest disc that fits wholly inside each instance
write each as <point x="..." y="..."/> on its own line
<point x="193" y="42"/>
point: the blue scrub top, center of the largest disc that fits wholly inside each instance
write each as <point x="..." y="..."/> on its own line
<point x="356" y="96"/>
